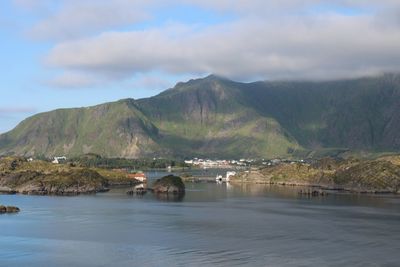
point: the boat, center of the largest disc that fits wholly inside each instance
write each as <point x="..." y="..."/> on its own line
<point x="227" y="177"/>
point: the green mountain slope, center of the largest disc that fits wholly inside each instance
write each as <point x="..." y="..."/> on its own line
<point x="216" y="117"/>
<point x="356" y="114"/>
<point x="208" y="116"/>
<point x="111" y="129"/>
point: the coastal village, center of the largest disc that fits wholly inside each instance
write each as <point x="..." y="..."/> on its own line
<point x="225" y="163"/>
<point x="215" y="163"/>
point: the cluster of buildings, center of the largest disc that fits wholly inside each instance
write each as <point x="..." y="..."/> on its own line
<point x="218" y="163"/>
<point x="208" y="163"/>
<point x="278" y="161"/>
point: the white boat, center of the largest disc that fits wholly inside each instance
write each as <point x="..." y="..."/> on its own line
<point x="227" y="177"/>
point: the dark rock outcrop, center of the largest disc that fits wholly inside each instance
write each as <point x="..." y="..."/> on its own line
<point x="169" y="184"/>
<point x="8" y="209"/>
<point x="312" y="193"/>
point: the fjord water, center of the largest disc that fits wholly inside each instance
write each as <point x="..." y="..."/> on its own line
<point x="213" y="225"/>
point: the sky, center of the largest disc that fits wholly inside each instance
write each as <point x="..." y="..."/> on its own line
<point x="73" y="53"/>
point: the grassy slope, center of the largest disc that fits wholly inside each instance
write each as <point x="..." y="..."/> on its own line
<point x="111" y="129"/>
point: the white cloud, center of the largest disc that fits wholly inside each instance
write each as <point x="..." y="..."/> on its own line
<point x="74" y="19"/>
<point x="262" y="6"/>
<point x="324" y="47"/>
<point x="255" y="6"/>
<point x="306" y="39"/>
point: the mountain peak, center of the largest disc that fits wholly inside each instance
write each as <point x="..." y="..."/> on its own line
<point x="208" y="79"/>
<point x="212" y="77"/>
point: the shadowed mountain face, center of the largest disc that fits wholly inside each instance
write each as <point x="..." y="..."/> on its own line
<point x="216" y="117"/>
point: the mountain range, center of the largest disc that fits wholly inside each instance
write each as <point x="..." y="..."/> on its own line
<point x="217" y="117"/>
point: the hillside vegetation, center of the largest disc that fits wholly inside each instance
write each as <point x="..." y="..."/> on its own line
<point x="216" y="117"/>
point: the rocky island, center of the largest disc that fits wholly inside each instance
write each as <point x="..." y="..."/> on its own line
<point x="380" y="175"/>
<point x="169" y="184"/>
<point x="8" y="209"/>
<point x="18" y="175"/>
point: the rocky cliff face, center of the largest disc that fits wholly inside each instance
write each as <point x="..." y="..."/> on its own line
<point x="217" y="117"/>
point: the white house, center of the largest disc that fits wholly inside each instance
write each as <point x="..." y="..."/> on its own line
<point x="57" y="160"/>
<point x="141" y="177"/>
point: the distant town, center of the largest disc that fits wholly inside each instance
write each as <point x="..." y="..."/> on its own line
<point x="224" y="163"/>
<point x="202" y="162"/>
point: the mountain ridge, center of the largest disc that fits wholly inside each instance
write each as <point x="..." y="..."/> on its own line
<point x="217" y="117"/>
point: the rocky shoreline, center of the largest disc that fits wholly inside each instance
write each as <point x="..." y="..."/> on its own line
<point x="18" y="176"/>
<point x="380" y="176"/>
<point x="7" y="190"/>
<point x="319" y="187"/>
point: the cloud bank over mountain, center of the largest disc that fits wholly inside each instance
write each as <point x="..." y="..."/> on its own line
<point x="113" y="41"/>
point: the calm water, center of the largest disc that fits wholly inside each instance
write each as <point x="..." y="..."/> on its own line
<point x="214" y="225"/>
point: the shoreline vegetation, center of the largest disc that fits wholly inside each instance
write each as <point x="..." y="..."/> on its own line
<point x="377" y="176"/>
<point x="18" y="175"/>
